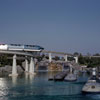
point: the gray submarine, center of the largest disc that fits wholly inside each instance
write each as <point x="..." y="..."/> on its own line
<point x="92" y="85"/>
<point x="71" y="76"/>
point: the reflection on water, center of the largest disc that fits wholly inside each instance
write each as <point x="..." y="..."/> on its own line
<point x="26" y="76"/>
<point x="31" y="78"/>
<point x="37" y="87"/>
<point x="14" y="80"/>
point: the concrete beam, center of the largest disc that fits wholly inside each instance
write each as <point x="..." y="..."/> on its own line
<point x="54" y="52"/>
<point x="16" y="52"/>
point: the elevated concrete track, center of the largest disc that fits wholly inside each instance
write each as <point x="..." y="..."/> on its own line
<point x="54" y="52"/>
<point x="16" y="52"/>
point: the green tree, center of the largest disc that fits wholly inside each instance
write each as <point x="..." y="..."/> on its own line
<point x="56" y="58"/>
<point x="76" y="54"/>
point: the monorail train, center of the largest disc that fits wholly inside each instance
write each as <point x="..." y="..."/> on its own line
<point x="20" y="47"/>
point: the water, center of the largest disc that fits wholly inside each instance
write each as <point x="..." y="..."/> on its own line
<point x="39" y="88"/>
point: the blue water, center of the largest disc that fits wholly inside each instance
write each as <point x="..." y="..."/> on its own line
<point x="39" y="88"/>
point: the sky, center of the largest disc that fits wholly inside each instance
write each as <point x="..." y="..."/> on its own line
<point x="57" y="25"/>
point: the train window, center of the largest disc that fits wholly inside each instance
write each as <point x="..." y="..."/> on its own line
<point x="36" y="47"/>
<point x="12" y="44"/>
<point x="2" y="44"/>
<point x="19" y="44"/>
<point x="26" y="45"/>
<point x="15" y="44"/>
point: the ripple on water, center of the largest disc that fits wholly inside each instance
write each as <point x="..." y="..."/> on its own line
<point x="39" y="88"/>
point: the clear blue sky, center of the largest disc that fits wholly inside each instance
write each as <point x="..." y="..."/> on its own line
<point x="57" y="25"/>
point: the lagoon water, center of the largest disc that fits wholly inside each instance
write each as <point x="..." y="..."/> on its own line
<point x="38" y="87"/>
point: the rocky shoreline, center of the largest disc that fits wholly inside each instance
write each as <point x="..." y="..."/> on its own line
<point x="8" y="69"/>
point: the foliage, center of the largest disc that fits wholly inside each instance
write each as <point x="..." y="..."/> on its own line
<point x="89" y="61"/>
<point x="97" y="54"/>
<point x="56" y="58"/>
<point x="76" y="54"/>
<point x="70" y="58"/>
<point x="4" y="61"/>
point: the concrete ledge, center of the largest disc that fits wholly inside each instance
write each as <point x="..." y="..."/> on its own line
<point x="32" y="73"/>
<point x="13" y="74"/>
<point x="26" y="72"/>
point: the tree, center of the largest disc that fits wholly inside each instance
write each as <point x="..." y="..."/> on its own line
<point x="81" y="59"/>
<point x="4" y="60"/>
<point x="56" y="58"/>
<point x="76" y="54"/>
<point x="97" y="54"/>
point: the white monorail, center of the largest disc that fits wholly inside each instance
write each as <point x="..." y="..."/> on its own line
<point x="20" y="47"/>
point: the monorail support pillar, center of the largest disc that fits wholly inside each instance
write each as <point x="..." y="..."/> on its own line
<point x="76" y="59"/>
<point x="66" y="58"/>
<point x="32" y="65"/>
<point x="50" y="57"/>
<point x="26" y="64"/>
<point x="14" y="67"/>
